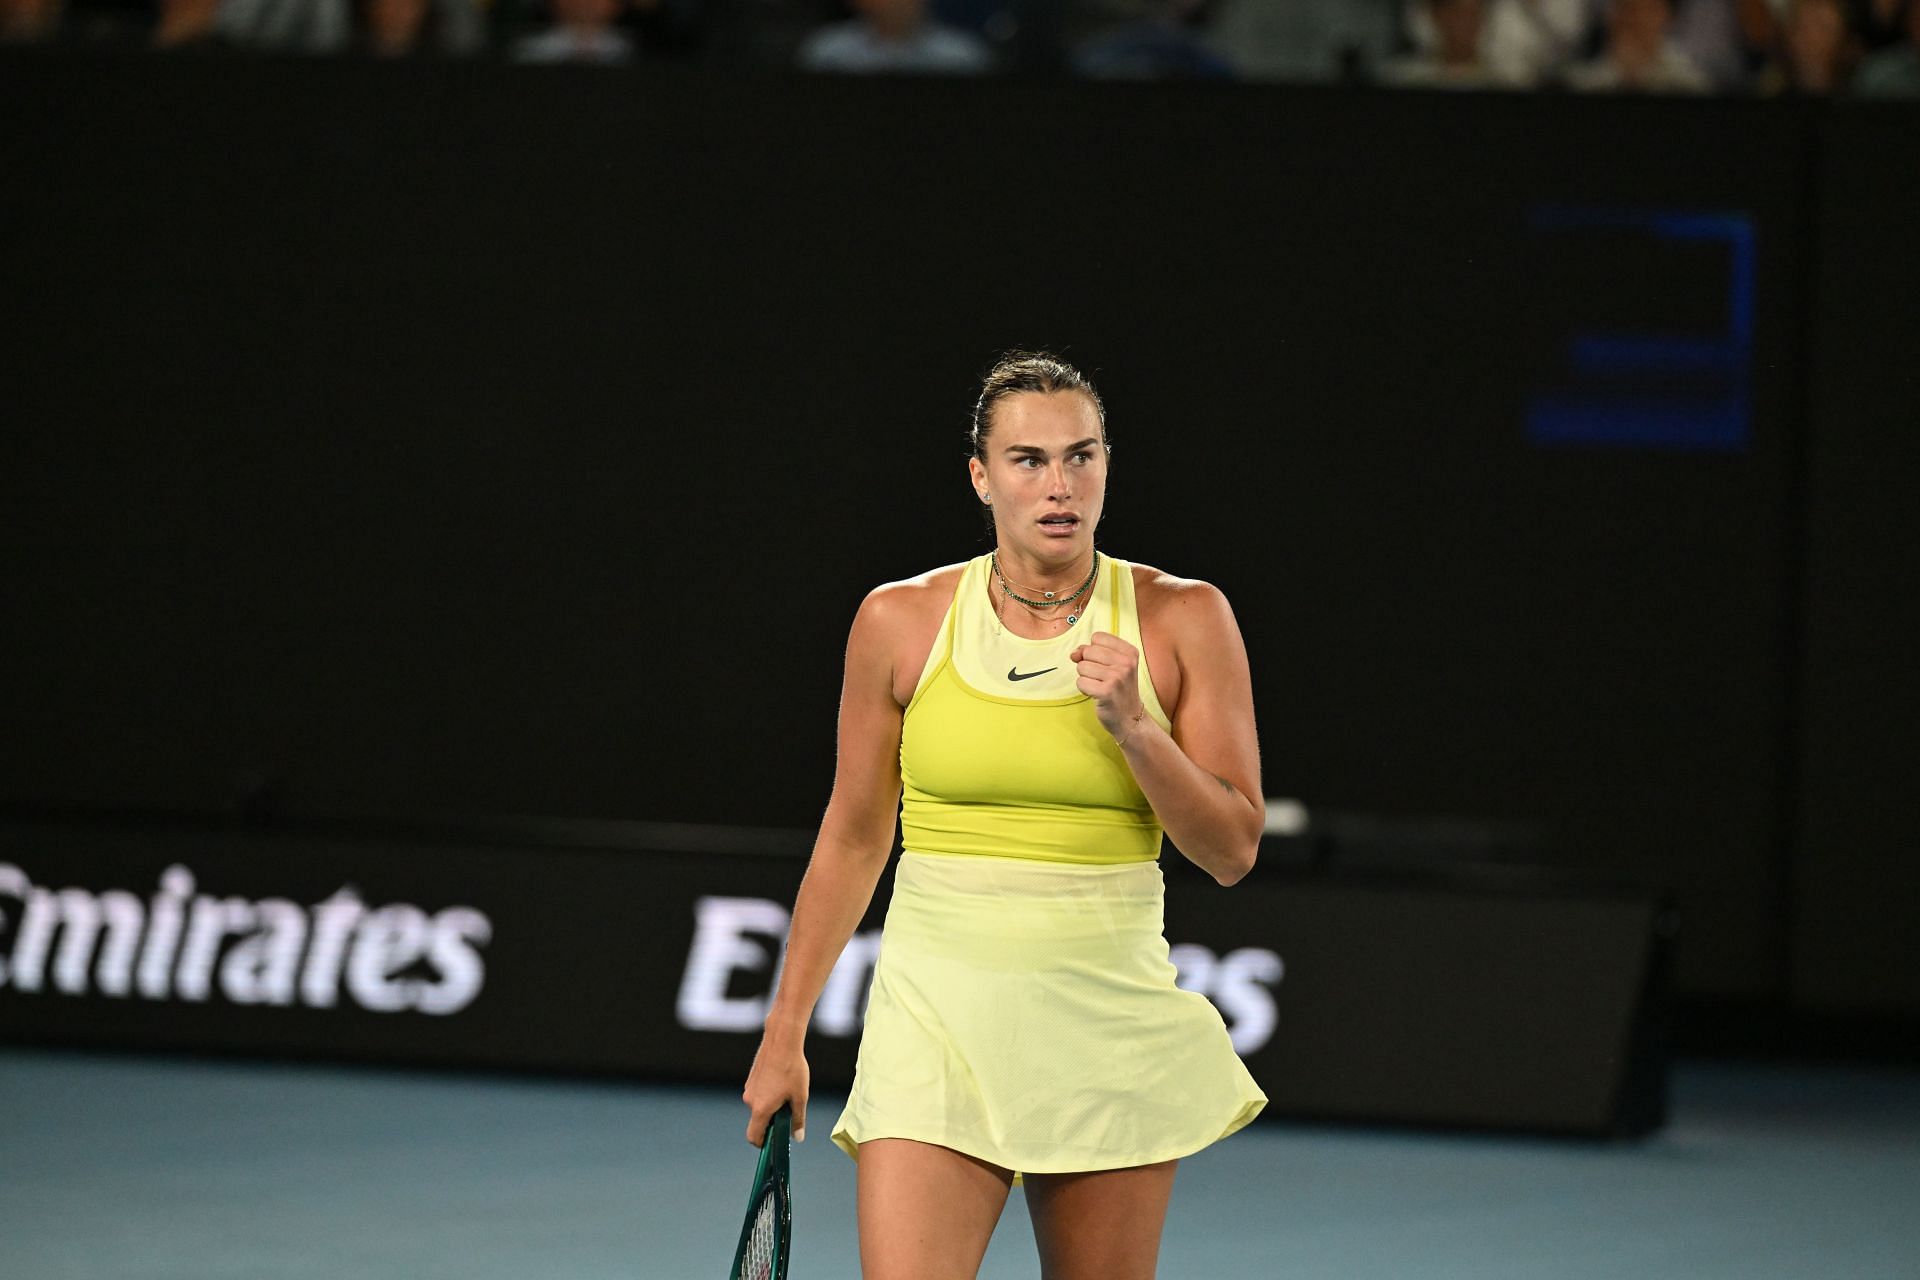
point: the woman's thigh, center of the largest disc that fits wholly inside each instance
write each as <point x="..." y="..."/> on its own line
<point x="926" y="1211"/>
<point x="1104" y="1224"/>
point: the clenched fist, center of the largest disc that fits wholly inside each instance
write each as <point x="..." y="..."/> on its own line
<point x="1109" y="670"/>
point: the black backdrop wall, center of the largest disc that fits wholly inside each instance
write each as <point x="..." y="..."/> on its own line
<point x="482" y="440"/>
<point x="1858" y="886"/>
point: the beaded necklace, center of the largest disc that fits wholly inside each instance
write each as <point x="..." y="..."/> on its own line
<point x="1053" y="600"/>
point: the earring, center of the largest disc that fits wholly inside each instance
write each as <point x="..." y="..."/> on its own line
<point x="987" y="498"/>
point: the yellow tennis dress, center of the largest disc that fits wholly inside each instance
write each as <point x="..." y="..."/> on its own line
<point x="1023" y="1007"/>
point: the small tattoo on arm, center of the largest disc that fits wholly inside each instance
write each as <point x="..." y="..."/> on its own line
<point x="1225" y="785"/>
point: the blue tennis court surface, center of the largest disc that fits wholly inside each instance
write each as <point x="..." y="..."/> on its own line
<point x="156" y="1168"/>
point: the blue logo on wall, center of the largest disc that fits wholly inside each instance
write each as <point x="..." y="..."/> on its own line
<point x="1654" y="389"/>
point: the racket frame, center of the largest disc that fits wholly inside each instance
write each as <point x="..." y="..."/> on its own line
<point x="771" y="1177"/>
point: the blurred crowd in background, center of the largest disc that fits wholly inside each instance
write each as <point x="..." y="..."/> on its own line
<point x="1809" y="47"/>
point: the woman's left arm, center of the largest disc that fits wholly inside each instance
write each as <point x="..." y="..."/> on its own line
<point x="1203" y="779"/>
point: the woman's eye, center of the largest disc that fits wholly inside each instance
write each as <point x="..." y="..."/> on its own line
<point x="1083" y="456"/>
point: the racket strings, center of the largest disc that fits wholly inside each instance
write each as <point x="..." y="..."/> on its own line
<point x="762" y="1244"/>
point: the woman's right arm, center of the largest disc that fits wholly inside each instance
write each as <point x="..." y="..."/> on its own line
<point x="856" y="836"/>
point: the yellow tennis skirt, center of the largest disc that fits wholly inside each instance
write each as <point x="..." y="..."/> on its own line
<point x="1025" y="1013"/>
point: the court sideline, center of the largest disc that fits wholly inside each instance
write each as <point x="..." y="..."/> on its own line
<point x="176" y="1169"/>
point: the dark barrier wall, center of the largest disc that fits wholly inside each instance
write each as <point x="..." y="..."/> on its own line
<point x="1858" y="900"/>
<point x="1358" y="999"/>
<point x="480" y="440"/>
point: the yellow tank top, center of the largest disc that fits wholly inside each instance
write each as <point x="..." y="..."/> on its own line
<point x="1002" y="756"/>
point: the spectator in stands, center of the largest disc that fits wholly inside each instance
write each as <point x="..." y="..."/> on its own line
<point x="894" y="36"/>
<point x="186" y="24"/>
<point x="1455" y="60"/>
<point x="24" y="21"/>
<point x="1727" y="39"/>
<point x="1304" y="40"/>
<point x="1817" y="52"/>
<point x="287" y="26"/>
<point x="1894" y="72"/>
<point x="1640" y="56"/>
<point x="1522" y="42"/>
<point x="397" y="28"/>
<point x="1879" y="24"/>
<point x="1160" y="40"/>
<point x="583" y="31"/>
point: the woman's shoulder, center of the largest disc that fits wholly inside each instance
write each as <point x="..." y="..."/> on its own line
<point x="910" y="600"/>
<point x="1172" y="601"/>
<point x="1163" y="586"/>
<point x="933" y="583"/>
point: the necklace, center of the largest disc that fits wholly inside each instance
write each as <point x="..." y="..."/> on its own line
<point x="1000" y="610"/>
<point x="1053" y="599"/>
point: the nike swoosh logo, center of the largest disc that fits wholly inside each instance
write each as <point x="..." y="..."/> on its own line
<point x="1013" y="673"/>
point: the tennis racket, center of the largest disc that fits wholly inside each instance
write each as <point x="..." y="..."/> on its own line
<point x="765" y="1238"/>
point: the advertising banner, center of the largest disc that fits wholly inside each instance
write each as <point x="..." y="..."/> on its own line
<point x="1355" y="999"/>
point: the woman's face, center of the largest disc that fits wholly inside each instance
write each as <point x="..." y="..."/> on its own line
<point x="1046" y="470"/>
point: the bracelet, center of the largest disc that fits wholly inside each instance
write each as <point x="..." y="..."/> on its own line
<point x="1135" y="722"/>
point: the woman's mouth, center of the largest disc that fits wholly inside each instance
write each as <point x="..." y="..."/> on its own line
<point x="1059" y="526"/>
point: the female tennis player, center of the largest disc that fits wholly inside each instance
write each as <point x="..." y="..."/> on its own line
<point x="1034" y="716"/>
